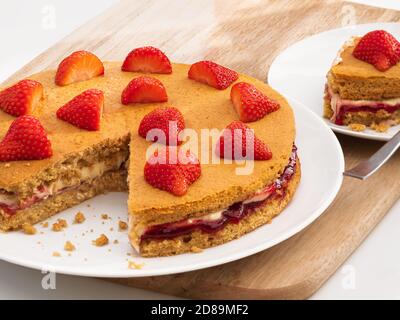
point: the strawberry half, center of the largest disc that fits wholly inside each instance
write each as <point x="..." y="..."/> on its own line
<point x="213" y="74"/>
<point x="84" y="111"/>
<point x="26" y="139"/>
<point x="174" y="173"/>
<point x="378" y="48"/>
<point x="235" y="139"/>
<point x="147" y="59"/>
<point x="21" y="98"/>
<point x="169" y="120"/>
<point x="79" y="66"/>
<point x="250" y="103"/>
<point x="144" y="90"/>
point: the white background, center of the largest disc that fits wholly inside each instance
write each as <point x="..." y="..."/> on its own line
<point x="373" y="271"/>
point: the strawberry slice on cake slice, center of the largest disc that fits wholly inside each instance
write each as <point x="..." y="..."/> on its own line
<point x="79" y="66"/>
<point x="21" y="98"/>
<point x="379" y="48"/>
<point x="144" y="90"/>
<point x="84" y="111"/>
<point x="363" y="84"/>
<point x="212" y="74"/>
<point x="148" y="60"/>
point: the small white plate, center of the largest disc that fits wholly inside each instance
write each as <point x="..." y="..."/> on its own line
<point x="300" y="71"/>
<point x="322" y="165"/>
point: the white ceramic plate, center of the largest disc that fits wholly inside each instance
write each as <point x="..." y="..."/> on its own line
<point x="300" y="71"/>
<point x="322" y="166"/>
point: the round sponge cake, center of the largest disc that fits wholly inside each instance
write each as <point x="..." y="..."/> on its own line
<point x="203" y="107"/>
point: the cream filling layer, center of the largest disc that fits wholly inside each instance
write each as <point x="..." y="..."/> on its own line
<point x="47" y="190"/>
<point x="337" y="103"/>
<point x="260" y="195"/>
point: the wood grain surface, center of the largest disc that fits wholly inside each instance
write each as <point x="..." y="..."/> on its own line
<point x="247" y="36"/>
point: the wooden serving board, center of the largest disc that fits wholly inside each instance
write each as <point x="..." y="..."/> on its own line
<point x="247" y="36"/>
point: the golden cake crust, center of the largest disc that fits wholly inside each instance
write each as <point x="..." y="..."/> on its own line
<point x="354" y="79"/>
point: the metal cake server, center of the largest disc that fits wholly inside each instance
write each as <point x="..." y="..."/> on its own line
<point x="367" y="168"/>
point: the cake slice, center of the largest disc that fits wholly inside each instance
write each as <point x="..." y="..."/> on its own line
<point x="363" y="85"/>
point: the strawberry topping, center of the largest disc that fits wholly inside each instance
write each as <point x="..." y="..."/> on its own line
<point x="21" y="98"/>
<point x="250" y="103"/>
<point x="79" y="66"/>
<point x="84" y="111"/>
<point x="171" y="170"/>
<point x="239" y="142"/>
<point x="378" y="48"/>
<point x="169" y="120"/>
<point x="213" y="74"/>
<point x="144" y="90"/>
<point x="26" y="139"/>
<point x="147" y="59"/>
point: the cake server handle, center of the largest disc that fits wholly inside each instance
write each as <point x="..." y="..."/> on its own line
<point x="367" y="168"/>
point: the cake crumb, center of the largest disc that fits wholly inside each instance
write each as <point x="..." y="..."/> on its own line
<point x="122" y="225"/>
<point x="104" y="216"/>
<point x="111" y="229"/>
<point x="196" y="249"/>
<point x="56" y="254"/>
<point x="45" y="224"/>
<point x="28" y="228"/>
<point x="69" y="246"/>
<point x="63" y="223"/>
<point x="79" y="217"/>
<point x="116" y="241"/>
<point x="135" y="266"/>
<point x="101" y="241"/>
<point x="56" y="227"/>
<point x="380" y="127"/>
<point x="59" y="225"/>
<point x="358" y="127"/>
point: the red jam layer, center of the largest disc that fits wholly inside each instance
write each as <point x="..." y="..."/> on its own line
<point x="373" y="108"/>
<point x="380" y="106"/>
<point x="234" y="214"/>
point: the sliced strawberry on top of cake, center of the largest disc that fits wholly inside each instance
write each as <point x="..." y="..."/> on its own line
<point x="212" y="74"/>
<point x="144" y="90"/>
<point x="26" y="139"/>
<point x="79" y="66"/>
<point x="21" y="98"/>
<point x="250" y="103"/>
<point x="378" y="48"/>
<point x="84" y="111"/>
<point x="172" y="169"/>
<point x="363" y="85"/>
<point x="168" y="120"/>
<point x="147" y="59"/>
<point x="239" y="142"/>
